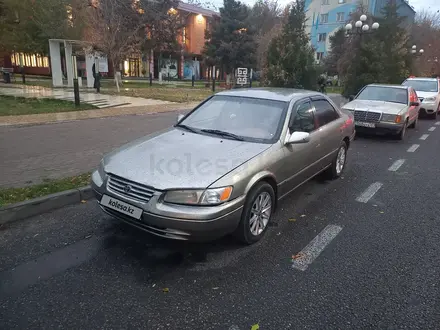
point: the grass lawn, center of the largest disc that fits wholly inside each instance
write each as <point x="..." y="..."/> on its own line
<point x="15" y="195"/>
<point x="334" y="89"/>
<point x="11" y="106"/>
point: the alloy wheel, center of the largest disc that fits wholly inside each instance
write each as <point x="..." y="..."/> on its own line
<point x="260" y="213"/>
<point x="340" y="160"/>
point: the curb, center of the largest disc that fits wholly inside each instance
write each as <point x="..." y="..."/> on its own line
<point x="36" y="206"/>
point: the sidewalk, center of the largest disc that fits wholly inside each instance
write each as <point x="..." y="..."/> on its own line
<point x="98" y="100"/>
<point x="46" y="118"/>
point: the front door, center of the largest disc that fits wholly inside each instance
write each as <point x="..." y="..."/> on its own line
<point x="301" y="158"/>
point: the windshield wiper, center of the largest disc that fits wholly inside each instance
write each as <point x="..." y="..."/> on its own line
<point x="223" y="133"/>
<point x="188" y="128"/>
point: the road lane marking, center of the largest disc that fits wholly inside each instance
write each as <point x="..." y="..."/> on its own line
<point x="369" y="193"/>
<point x="315" y="247"/>
<point x="437" y="123"/>
<point x="413" y="148"/>
<point x="431" y="129"/>
<point x="424" y="136"/>
<point x="396" y="165"/>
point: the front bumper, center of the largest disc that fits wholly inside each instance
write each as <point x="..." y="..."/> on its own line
<point x="179" y="222"/>
<point x="428" y="107"/>
<point x="381" y="128"/>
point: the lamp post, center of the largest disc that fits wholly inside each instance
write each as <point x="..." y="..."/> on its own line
<point x="361" y="27"/>
<point x="414" y="51"/>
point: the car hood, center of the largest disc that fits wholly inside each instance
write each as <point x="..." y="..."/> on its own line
<point x="179" y="159"/>
<point x="380" y="106"/>
<point x="426" y="94"/>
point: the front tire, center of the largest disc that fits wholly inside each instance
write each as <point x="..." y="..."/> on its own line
<point x="257" y="213"/>
<point x="415" y="123"/>
<point x="402" y="133"/>
<point x="338" y="164"/>
<point x="433" y="115"/>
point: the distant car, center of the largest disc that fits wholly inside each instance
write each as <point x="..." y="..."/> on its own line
<point x="428" y="91"/>
<point x="385" y="109"/>
<point x="223" y="167"/>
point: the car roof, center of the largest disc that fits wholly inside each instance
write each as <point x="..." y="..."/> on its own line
<point x="390" y="86"/>
<point x="277" y="94"/>
<point x="422" y="78"/>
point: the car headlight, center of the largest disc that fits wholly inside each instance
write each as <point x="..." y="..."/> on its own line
<point x="389" y="118"/>
<point x="101" y="169"/>
<point x="429" y="99"/>
<point x="213" y="196"/>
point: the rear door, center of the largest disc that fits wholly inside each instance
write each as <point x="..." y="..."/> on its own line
<point x="330" y="131"/>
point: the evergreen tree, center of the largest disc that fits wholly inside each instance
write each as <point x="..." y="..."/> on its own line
<point x="231" y="43"/>
<point x="290" y="58"/>
<point x="337" y="50"/>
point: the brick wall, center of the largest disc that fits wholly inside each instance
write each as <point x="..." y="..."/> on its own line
<point x="196" y="33"/>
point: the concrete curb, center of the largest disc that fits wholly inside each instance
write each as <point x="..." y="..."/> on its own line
<point x="26" y="209"/>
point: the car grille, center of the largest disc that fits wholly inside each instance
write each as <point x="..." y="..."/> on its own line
<point x="421" y="99"/>
<point x="367" y="116"/>
<point x="130" y="189"/>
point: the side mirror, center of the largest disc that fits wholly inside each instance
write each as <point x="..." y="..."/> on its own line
<point x="179" y="118"/>
<point x="351" y="98"/>
<point x="298" y="137"/>
<point x="414" y="104"/>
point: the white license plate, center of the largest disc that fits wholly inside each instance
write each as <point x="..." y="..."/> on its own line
<point x="362" y="124"/>
<point x="117" y="205"/>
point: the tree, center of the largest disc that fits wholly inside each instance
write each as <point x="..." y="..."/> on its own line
<point x="337" y="50"/>
<point x="27" y="25"/>
<point x="119" y="28"/>
<point x="231" y="43"/>
<point x="290" y="58"/>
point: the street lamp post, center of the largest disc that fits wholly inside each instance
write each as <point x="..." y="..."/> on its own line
<point x="361" y="27"/>
<point x="414" y="51"/>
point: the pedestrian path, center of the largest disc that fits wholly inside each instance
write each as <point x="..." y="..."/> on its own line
<point x="98" y="100"/>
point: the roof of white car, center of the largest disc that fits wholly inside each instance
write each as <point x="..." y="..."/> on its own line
<point x="389" y="86"/>
<point x="278" y="94"/>
<point x="423" y="78"/>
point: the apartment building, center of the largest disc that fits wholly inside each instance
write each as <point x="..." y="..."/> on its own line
<point x="325" y="17"/>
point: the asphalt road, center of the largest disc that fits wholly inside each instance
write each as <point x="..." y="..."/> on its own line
<point x="76" y="268"/>
<point x="31" y="154"/>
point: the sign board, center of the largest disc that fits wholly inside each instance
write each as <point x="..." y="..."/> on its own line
<point x="103" y="64"/>
<point x="242" y="76"/>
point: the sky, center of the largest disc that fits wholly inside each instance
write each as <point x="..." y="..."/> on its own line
<point x="417" y="4"/>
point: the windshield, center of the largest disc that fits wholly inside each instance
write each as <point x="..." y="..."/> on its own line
<point x="422" y="85"/>
<point x="387" y="94"/>
<point x="250" y="119"/>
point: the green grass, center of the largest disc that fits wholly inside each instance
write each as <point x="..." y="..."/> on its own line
<point x="15" y="195"/>
<point x="334" y="89"/>
<point x="11" y="106"/>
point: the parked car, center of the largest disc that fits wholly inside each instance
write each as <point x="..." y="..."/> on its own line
<point x="222" y="168"/>
<point x="385" y="109"/>
<point x="428" y="91"/>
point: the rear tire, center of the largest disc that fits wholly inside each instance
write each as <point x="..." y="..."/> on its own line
<point x="257" y="213"/>
<point x="338" y="164"/>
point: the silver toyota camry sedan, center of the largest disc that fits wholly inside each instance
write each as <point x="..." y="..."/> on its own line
<point x="222" y="168"/>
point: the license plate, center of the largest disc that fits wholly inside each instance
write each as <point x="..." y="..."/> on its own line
<point x="362" y="124"/>
<point x="122" y="207"/>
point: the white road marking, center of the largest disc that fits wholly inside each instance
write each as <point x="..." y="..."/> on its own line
<point x="431" y="129"/>
<point x="413" y="148"/>
<point x="369" y="193"/>
<point x="315" y="247"/>
<point x="424" y="136"/>
<point x="437" y="123"/>
<point x="396" y="165"/>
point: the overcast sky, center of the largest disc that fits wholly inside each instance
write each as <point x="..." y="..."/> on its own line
<point x="417" y="4"/>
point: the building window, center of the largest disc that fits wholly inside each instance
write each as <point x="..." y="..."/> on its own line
<point x="319" y="56"/>
<point x="341" y="1"/>
<point x="31" y="60"/>
<point x="340" y="17"/>
<point x="324" y="18"/>
<point x="324" y="2"/>
<point x="322" y="37"/>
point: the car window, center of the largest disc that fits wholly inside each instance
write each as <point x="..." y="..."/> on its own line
<point x="384" y="93"/>
<point x="324" y="111"/>
<point x="253" y="119"/>
<point x="303" y="120"/>
<point x="422" y="85"/>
